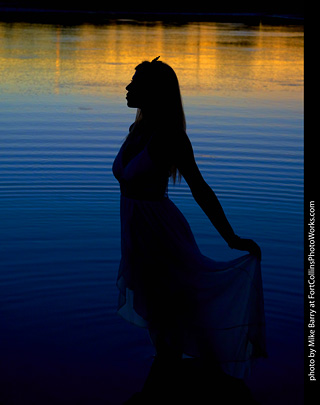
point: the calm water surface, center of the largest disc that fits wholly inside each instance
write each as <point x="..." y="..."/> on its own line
<point x="63" y="117"/>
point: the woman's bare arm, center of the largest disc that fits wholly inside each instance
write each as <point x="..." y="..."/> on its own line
<point x="201" y="191"/>
<point x="207" y="199"/>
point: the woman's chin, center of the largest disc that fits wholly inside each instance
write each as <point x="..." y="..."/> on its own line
<point x="130" y="104"/>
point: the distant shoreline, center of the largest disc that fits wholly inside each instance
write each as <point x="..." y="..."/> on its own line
<point x="86" y="16"/>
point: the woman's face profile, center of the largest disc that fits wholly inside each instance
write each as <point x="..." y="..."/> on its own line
<point x="136" y="96"/>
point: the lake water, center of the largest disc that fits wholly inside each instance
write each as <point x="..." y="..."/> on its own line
<point x="63" y="117"/>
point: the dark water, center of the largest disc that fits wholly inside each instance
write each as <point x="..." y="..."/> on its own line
<point x="63" y="118"/>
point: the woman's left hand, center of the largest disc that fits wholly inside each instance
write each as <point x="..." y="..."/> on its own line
<point x="247" y="245"/>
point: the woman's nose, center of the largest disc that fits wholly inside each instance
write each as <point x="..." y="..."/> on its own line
<point x="128" y="87"/>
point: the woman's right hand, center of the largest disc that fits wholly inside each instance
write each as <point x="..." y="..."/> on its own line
<point x="247" y="245"/>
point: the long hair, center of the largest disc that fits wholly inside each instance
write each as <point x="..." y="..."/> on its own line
<point x="162" y="86"/>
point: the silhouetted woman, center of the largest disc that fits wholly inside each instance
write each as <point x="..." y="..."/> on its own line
<point x="190" y="304"/>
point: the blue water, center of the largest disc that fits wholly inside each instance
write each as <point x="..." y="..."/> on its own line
<point x="63" y="118"/>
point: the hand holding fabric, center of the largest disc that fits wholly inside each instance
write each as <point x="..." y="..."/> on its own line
<point x="246" y="244"/>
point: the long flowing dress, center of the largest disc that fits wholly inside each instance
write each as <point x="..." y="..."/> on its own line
<point x="168" y="286"/>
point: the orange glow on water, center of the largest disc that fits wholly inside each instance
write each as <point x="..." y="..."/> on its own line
<point x="57" y="75"/>
<point x="101" y="59"/>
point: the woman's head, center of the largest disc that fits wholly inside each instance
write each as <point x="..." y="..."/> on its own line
<point x="155" y="91"/>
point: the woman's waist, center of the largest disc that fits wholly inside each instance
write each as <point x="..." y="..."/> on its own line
<point x="144" y="196"/>
<point x="148" y="193"/>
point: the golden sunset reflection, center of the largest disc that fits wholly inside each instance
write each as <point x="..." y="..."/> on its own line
<point x="57" y="75"/>
<point x="100" y="59"/>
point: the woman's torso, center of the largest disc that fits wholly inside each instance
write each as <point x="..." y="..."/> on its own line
<point x="140" y="176"/>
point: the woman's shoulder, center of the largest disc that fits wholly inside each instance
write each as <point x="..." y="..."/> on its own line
<point x="168" y="146"/>
<point x="182" y="144"/>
